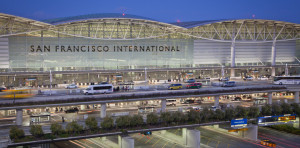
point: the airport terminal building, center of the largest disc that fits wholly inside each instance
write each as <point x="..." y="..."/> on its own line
<point x="122" y="48"/>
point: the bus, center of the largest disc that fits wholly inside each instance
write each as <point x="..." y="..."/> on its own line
<point x="16" y="93"/>
<point x="99" y="89"/>
<point x="286" y="80"/>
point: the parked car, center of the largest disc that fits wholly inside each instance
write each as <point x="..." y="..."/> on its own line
<point x="171" y="102"/>
<point x="224" y="79"/>
<point x="196" y="108"/>
<point x="72" y="110"/>
<point x="194" y="86"/>
<point x="228" y="84"/>
<point x="237" y="99"/>
<point x="188" y="102"/>
<point x="214" y="108"/>
<point x="175" y="86"/>
<point x="71" y="86"/>
<point x="263" y="78"/>
<point x="190" y="81"/>
<point x="248" y="78"/>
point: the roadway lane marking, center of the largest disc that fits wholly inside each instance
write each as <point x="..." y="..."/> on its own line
<point x="148" y="140"/>
<point x="156" y="142"/>
<point x="83" y="143"/>
<point x="76" y="144"/>
<point x="239" y="138"/>
<point x="140" y="138"/>
<point x="165" y="144"/>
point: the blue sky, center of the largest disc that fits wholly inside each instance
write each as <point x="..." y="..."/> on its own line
<point x="161" y="10"/>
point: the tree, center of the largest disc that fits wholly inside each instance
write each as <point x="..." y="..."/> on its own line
<point x="36" y="130"/>
<point x="123" y="121"/>
<point x="194" y="116"/>
<point x="107" y="123"/>
<point x="276" y="109"/>
<point x="253" y="112"/>
<point x="91" y="123"/>
<point x="241" y="112"/>
<point x="229" y="113"/>
<point x="286" y="108"/>
<point x="56" y="128"/>
<point x="74" y="127"/>
<point x="136" y="120"/>
<point x="266" y="110"/>
<point x="166" y="117"/>
<point x="219" y="115"/>
<point x="152" y="119"/>
<point x="16" y="133"/>
<point x="179" y="117"/>
<point x="295" y="108"/>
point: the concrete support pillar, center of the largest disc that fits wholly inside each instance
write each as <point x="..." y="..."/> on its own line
<point x="217" y="101"/>
<point x="232" y="54"/>
<point x="232" y="72"/>
<point x="269" y="97"/>
<point x="251" y="133"/>
<point x="103" y="110"/>
<point x="273" y="55"/>
<point x="297" y="97"/>
<point x="184" y="135"/>
<point x="125" y="142"/>
<point x="19" y="118"/>
<point x="192" y="138"/>
<point x="163" y="105"/>
<point x="273" y="74"/>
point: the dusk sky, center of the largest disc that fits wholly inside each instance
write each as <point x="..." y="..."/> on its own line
<point x="160" y="10"/>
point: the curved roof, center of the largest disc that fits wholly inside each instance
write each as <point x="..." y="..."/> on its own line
<point x="192" y="24"/>
<point x="62" y="20"/>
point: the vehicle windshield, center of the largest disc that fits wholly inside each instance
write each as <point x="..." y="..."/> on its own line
<point x="88" y="89"/>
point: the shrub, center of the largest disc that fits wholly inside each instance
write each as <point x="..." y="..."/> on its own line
<point x="266" y="110"/>
<point x="194" y="116"/>
<point x="179" y="117"/>
<point x="241" y="112"/>
<point x="123" y="121"/>
<point x="286" y="108"/>
<point x="136" y="120"/>
<point x="56" y="129"/>
<point x="229" y="114"/>
<point x="107" y="123"/>
<point x="253" y="112"/>
<point x="91" y="123"/>
<point x="219" y="115"/>
<point x="166" y="117"/>
<point x="276" y="109"/>
<point x="16" y="133"/>
<point x="152" y="119"/>
<point x="36" y="130"/>
<point x="74" y="127"/>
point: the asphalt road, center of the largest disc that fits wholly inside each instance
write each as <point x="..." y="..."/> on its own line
<point x="281" y="139"/>
<point x="218" y="139"/>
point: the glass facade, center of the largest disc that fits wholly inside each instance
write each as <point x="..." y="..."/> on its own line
<point x="70" y="53"/>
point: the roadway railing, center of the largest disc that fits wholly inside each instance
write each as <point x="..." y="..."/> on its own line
<point x="142" y="96"/>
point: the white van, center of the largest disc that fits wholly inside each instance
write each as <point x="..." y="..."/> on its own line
<point x="171" y="102"/>
<point x="99" y="89"/>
